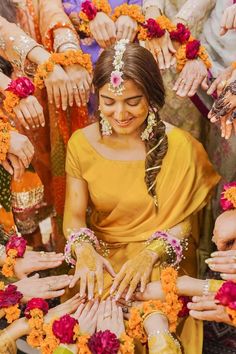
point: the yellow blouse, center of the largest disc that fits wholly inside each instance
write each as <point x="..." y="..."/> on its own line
<point x="122" y="210"/>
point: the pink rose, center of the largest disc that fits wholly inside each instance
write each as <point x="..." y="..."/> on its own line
<point x="17" y="243"/>
<point x="192" y="49"/>
<point x="225" y="203"/>
<point x="181" y="34"/>
<point x="36" y="303"/>
<point x="10" y="296"/>
<point x="63" y="329"/>
<point x="89" y="9"/>
<point x="104" y="343"/>
<point x="22" y="87"/>
<point x="153" y="28"/>
<point x="227" y="294"/>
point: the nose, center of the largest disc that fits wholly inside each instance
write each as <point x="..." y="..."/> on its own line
<point x="119" y="113"/>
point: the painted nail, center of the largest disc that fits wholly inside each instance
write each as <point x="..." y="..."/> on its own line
<point x="209" y="260"/>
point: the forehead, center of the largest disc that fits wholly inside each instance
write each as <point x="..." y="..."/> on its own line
<point x="130" y="90"/>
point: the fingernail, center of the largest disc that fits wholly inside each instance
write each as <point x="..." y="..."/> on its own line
<point x="214" y="254"/>
<point x="209" y="260"/>
<point x="43" y="124"/>
<point x="212" y="266"/>
<point x="28" y="128"/>
<point x="189" y="305"/>
<point x="100" y="291"/>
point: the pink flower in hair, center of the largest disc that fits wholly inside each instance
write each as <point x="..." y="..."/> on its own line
<point x="116" y="79"/>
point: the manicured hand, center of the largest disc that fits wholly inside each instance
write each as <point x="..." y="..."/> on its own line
<point x="14" y="166"/>
<point x="228" y="20"/>
<point x="163" y="51"/>
<point x="110" y="317"/>
<point x="29" y="112"/>
<point x="87" y="314"/>
<point x="21" y="147"/>
<point x="126" y="28"/>
<point x="224" y="262"/>
<point x="103" y="30"/>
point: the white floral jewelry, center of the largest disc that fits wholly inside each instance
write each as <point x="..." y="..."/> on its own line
<point x="151" y="123"/>
<point x="116" y="81"/>
<point x="105" y="126"/>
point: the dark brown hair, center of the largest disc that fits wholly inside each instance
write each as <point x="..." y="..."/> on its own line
<point x="5" y="67"/>
<point x="8" y="10"/>
<point x="140" y="67"/>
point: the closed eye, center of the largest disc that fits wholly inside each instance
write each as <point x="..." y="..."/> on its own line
<point x="133" y="101"/>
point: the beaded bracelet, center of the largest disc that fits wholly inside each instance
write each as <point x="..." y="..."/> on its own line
<point x="16" y="90"/>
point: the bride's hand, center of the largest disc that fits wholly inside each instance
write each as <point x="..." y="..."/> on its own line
<point x="89" y="268"/>
<point x="133" y="272"/>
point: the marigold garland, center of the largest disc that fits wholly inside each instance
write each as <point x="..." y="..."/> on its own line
<point x="161" y="22"/>
<point x="170" y="307"/>
<point x="133" y="11"/>
<point x="5" y="128"/>
<point x="10" y="102"/>
<point x="71" y="57"/>
<point x="10" y="299"/>
<point x="42" y="73"/>
<point x="15" y="248"/>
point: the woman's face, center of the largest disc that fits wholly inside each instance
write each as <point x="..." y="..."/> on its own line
<point x="126" y="113"/>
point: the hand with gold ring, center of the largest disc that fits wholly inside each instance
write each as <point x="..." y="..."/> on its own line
<point x="81" y="83"/>
<point x="35" y="261"/>
<point x="45" y="288"/>
<point x="87" y="315"/>
<point x="218" y="85"/>
<point x="110" y="317"/>
<point x="193" y="76"/>
<point x="163" y="51"/>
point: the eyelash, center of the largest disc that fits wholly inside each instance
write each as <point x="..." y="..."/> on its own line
<point x="130" y="104"/>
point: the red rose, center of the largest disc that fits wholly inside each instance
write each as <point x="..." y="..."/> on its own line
<point x="22" y="87"/>
<point x="181" y="34"/>
<point x="89" y="9"/>
<point x="104" y="343"/>
<point x="184" y="311"/>
<point x="153" y="28"/>
<point x="36" y="303"/>
<point x="63" y="329"/>
<point x="227" y="294"/>
<point x="192" y="49"/>
<point x="17" y="243"/>
<point x="10" y="296"/>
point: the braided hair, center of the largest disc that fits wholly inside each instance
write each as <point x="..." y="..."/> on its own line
<point x="141" y="68"/>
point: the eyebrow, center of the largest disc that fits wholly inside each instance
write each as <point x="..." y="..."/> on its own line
<point x="128" y="98"/>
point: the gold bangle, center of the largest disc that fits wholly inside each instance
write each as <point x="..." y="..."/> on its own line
<point x="214" y="285"/>
<point x="147" y="315"/>
<point x="158" y="246"/>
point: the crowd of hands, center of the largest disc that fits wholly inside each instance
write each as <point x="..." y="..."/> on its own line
<point x="95" y="314"/>
<point x="60" y="84"/>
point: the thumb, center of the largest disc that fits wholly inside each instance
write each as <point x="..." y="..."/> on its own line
<point x="109" y="268"/>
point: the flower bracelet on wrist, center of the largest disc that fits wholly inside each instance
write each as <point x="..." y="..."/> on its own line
<point x="78" y="237"/>
<point x="16" y="90"/>
<point x="15" y="248"/>
<point x="155" y="28"/>
<point x="89" y="10"/>
<point x="67" y="58"/>
<point x="10" y="299"/>
<point x="133" y="11"/>
<point x="168" y="247"/>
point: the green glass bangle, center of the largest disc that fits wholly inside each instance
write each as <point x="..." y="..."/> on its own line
<point x="62" y="350"/>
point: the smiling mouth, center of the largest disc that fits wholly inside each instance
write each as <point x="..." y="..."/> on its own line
<point x="123" y="123"/>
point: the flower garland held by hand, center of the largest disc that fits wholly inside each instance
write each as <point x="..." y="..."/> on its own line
<point x="16" y="90"/>
<point x="89" y="10"/>
<point x="15" y="248"/>
<point x="67" y="58"/>
<point x="228" y="196"/>
<point x="171" y="307"/>
<point x="35" y="310"/>
<point x="226" y="296"/>
<point x="9" y="302"/>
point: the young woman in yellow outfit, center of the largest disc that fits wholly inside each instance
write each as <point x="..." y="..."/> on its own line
<point x="137" y="176"/>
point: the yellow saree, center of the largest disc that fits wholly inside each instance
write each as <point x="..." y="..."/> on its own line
<point x="123" y="214"/>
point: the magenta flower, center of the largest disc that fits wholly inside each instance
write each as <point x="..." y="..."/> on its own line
<point x="22" y="87"/>
<point x="227" y="294"/>
<point x="116" y="79"/>
<point x="184" y="311"/>
<point x="10" y="296"/>
<point x="104" y="343"/>
<point x="63" y="329"/>
<point x="153" y="29"/>
<point x="36" y="303"/>
<point x="192" y="48"/>
<point x="228" y="196"/>
<point x="89" y="9"/>
<point x="17" y="243"/>
<point x="181" y="34"/>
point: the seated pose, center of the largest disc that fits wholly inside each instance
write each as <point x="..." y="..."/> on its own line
<point x="137" y="176"/>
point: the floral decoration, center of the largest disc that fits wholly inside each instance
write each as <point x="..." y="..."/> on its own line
<point x="184" y="311"/>
<point x="228" y="196"/>
<point x="116" y="80"/>
<point x="22" y="87"/>
<point x="63" y="329"/>
<point x="104" y="343"/>
<point x="10" y="299"/>
<point x="71" y="57"/>
<point x="226" y="295"/>
<point x="153" y="28"/>
<point x="5" y="128"/>
<point x="89" y="9"/>
<point x="180" y="34"/>
<point x="15" y="248"/>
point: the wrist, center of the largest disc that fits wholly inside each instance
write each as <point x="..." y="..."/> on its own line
<point x="153" y="254"/>
<point x="155" y="321"/>
<point x="152" y="12"/>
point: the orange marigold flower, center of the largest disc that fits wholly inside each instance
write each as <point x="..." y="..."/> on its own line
<point x="12" y="313"/>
